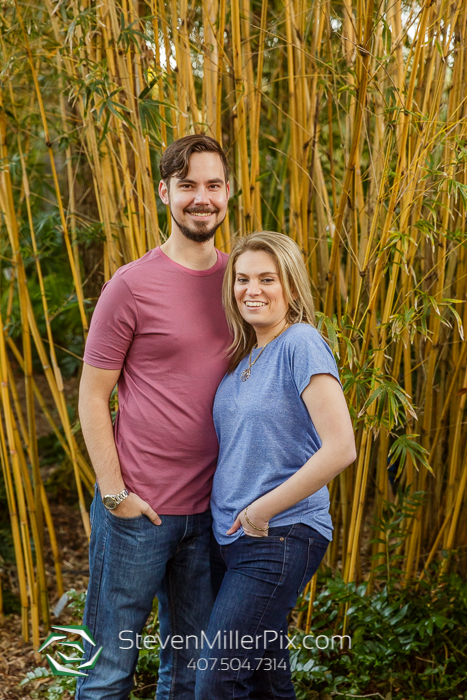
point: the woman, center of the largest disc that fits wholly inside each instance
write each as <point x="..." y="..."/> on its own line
<point x="284" y="432"/>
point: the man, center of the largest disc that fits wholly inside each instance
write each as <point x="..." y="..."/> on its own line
<point x="160" y="331"/>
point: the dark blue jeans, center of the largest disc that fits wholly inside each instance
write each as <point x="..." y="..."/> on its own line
<point x="132" y="561"/>
<point x="258" y="581"/>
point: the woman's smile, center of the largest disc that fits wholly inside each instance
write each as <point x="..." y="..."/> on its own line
<point x="254" y="304"/>
<point x="259" y="293"/>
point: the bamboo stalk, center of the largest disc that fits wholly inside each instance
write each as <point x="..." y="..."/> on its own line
<point x="48" y="143"/>
<point x="240" y="121"/>
<point x="345" y="140"/>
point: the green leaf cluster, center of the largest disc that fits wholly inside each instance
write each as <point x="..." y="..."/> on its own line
<point x="408" y="639"/>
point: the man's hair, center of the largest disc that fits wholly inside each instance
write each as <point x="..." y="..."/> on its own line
<point x="175" y="160"/>
<point x="295" y="286"/>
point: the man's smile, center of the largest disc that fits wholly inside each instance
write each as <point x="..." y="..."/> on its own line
<point x="200" y="214"/>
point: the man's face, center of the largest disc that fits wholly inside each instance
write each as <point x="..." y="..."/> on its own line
<point x="198" y="202"/>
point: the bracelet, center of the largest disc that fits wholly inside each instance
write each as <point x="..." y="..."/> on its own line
<point x="261" y="529"/>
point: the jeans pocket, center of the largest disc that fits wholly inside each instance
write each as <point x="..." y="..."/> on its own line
<point x="274" y="533"/>
<point x="118" y="519"/>
<point x="316" y="551"/>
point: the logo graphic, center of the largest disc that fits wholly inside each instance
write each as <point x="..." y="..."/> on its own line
<point x="63" y="669"/>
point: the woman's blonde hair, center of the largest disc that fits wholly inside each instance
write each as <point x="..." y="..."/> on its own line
<point x="293" y="277"/>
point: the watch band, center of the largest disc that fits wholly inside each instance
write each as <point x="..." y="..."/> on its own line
<point x="111" y="501"/>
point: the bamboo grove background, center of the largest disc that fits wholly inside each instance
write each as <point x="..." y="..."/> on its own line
<point x="345" y="126"/>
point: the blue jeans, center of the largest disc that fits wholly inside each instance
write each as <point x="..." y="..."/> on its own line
<point x="259" y="580"/>
<point x="132" y="561"/>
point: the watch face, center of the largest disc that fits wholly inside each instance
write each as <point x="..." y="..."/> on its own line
<point x="110" y="502"/>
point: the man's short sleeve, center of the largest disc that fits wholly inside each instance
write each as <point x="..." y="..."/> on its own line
<point x="309" y="355"/>
<point x="113" y="326"/>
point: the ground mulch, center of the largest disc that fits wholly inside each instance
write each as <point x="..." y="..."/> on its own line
<point x="16" y="656"/>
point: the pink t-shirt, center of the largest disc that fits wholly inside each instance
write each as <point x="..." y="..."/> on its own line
<point x="164" y="326"/>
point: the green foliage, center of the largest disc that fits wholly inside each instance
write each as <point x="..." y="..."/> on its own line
<point x="392" y="402"/>
<point x="403" y="641"/>
<point x="39" y="672"/>
<point x="407" y="640"/>
<point x="62" y="687"/>
<point x="59" y="291"/>
<point x="147" y="669"/>
<point x="11" y="602"/>
<point x="392" y="528"/>
<point x="404" y="445"/>
<point x="76" y="602"/>
<point x="411" y="642"/>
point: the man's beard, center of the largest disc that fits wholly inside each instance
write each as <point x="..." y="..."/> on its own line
<point x="200" y="237"/>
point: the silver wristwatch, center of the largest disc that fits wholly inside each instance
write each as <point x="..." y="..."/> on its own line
<point x="111" y="502"/>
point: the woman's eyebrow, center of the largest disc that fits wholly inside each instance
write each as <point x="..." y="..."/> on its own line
<point x="261" y="274"/>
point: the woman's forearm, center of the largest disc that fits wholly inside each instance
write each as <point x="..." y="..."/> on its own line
<point x="318" y="471"/>
<point x="328" y="410"/>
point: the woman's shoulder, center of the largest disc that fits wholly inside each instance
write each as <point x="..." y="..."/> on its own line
<point x="308" y="353"/>
<point x="304" y="334"/>
<point x="302" y="338"/>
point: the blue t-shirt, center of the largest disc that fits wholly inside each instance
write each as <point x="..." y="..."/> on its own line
<point x="265" y="431"/>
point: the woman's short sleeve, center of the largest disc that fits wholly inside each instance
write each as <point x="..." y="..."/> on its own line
<point x="113" y="326"/>
<point x="309" y="354"/>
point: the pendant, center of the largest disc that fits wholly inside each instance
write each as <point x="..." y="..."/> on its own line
<point x="245" y="374"/>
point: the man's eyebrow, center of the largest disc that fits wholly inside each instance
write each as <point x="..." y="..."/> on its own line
<point x="187" y="181"/>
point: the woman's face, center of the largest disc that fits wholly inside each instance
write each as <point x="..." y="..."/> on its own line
<point x="258" y="290"/>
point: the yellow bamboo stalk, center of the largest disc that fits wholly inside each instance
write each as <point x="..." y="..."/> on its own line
<point x="48" y="143"/>
<point x="240" y="121"/>
<point x="211" y="65"/>
<point x="386" y="187"/>
<point x="86" y="472"/>
<point x="16" y="533"/>
<point x="310" y="603"/>
<point x="402" y="140"/>
<point x="363" y="52"/>
<point x="295" y="220"/>
<point x="255" y="122"/>
<point x="21" y="498"/>
<point x="455" y="514"/>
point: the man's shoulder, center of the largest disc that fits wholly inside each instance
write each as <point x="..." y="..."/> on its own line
<point x="224" y="258"/>
<point x="136" y="271"/>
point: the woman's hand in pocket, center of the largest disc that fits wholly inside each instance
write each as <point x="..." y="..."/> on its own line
<point x="253" y="514"/>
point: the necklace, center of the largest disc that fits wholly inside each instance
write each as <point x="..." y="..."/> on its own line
<point x="247" y="372"/>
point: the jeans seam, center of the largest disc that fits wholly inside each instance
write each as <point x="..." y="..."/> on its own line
<point x="303" y="583"/>
<point x="271" y="688"/>
<point x="285" y="556"/>
<point x="106" y="532"/>
<point x="95" y="609"/>
<point x="180" y="543"/>
<point x="172" y="624"/>
<point x="264" y="611"/>
<point x="290" y="531"/>
<point x="222" y="552"/>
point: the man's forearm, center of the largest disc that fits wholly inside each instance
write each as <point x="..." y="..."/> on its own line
<point x="96" y="424"/>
